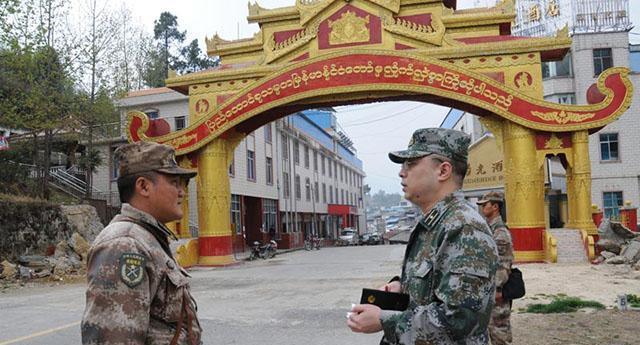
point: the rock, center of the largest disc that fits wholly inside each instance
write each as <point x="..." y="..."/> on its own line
<point x="8" y="270"/>
<point x="631" y="252"/>
<point x="616" y="260"/>
<point x="609" y="245"/>
<point x="636" y="266"/>
<point x="62" y="267"/>
<point x="84" y="219"/>
<point x="80" y="246"/>
<point x="615" y="230"/>
<point x="33" y="261"/>
<point x="607" y="255"/>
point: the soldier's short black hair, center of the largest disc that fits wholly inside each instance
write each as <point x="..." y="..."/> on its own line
<point x="459" y="168"/>
<point x="498" y="203"/>
<point x="127" y="184"/>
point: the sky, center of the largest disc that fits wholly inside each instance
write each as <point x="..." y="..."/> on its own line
<point x="375" y="128"/>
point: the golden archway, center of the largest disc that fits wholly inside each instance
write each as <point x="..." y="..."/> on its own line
<point x="333" y="52"/>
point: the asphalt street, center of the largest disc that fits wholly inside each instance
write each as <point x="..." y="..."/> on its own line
<point x="296" y="298"/>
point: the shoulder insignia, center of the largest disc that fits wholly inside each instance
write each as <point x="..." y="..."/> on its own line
<point x="431" y="218"/>
<point x="132" y="269"/>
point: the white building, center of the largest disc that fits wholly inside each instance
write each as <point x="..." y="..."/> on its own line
<point x="296" y="175"/>
<point x="600" y="33"/>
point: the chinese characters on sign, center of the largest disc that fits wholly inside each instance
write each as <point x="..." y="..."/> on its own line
<point x="553" y="9"/>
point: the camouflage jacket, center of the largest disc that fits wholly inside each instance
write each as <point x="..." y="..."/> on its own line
<point x="448" y="272"/>
<point x="137" y="293"/>
<point x="502" y="236"/>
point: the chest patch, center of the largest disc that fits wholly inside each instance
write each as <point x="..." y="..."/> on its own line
<point x="132" y="269"/>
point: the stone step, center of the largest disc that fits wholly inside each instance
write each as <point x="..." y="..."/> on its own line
<point x="570" y="246"/>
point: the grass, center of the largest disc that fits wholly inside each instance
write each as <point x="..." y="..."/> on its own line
<point x="563" y="304"/>
<point x="633" y="300"/>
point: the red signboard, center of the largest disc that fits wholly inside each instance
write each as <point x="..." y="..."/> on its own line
<point x="383" y="71"/>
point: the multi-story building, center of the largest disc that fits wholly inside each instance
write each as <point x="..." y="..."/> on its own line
<point x="290" y="178"/>
<point x="600" y="33"/>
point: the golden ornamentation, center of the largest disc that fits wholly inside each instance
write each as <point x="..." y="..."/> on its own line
<point x="433" y="33"/>
<point x="391" y="5"/>
<point x="310" y="8"/>
<point x="506" y="6"/>
<point x="349" y="29"/>
<point x="553" y="143"/>
<point x="553" y="9"/>
<point x="179" y="141"/>
<point x="563" y="117"/>
<point x="534" y="13"/>
<point x="276" y="50"/>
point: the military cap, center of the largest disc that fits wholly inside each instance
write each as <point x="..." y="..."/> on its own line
<point x="145" y="156"/>
<point x="491" y="196"/>
<point x="448" y="143"/>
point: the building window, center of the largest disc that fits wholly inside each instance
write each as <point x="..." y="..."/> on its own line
<point x="285" y="147"/>
<point x="306" y="156"/>
<point x="601" y="60"/>
<point x="251" y="165"/>
<point x="269" y="166"/>
<point x="335" y="171"/>
<point x="235" y="214"/>
<point x="342" y="196"/>
<point x="267" y="133"/>
<point x="114" y="164"/>
<point x="612" y="202"/>
<point x="322" y="164"/>
<point x="331" y="194"/>
<point x="316" y="192"/>
<point x="562" y="98"/>
<point x="297" y="187"/>
<point x="285" y="184"/>
<point x="232" y="168"/>
<point x="152" y="113"/>
<point x="562" y="68"/>
<point x="296" y="152"/>
<point x="324" y="193"/>
<point x="181" y="122"/>
<point x="315" y="161"/>
<point x="609" y="147"/>
<point x="341" y="174"/>
<point x="307" y="189"/>
<point x="329" y="162"/>
<point x="269" y="209"/>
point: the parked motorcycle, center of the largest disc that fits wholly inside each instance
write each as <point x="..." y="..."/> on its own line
<point x="266" y="251"/>
<point x="313" y="243"/>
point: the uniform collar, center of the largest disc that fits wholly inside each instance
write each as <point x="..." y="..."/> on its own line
<point x="441" y="206"/>
<point x="131" y="212"/>
<point x="496" y="221"/>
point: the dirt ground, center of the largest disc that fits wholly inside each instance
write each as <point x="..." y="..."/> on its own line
<point x="602" y="283"/>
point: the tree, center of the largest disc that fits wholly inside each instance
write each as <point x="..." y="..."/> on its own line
<point x="192" y="60"/>
<point x="165" y="31"/>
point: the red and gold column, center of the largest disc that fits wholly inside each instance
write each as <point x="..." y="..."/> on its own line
<point x="524" y="192"/>
<point x="214" y="200"/>
<point x="579" y="185"/>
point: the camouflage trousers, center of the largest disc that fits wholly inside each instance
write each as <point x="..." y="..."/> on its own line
<point x="500" y="324"/>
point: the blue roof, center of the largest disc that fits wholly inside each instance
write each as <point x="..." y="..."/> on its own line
<point x="452" y="118"/>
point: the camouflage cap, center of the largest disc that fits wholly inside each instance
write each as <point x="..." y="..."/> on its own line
<point x="448" y="143"/>
<point x="491" y="196"/>
<point x="145" y="156"/>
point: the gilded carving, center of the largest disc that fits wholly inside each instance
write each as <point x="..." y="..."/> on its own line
<point x="553" y="142"/>
<point x="553" y="9"/>
<point x="432" y="33"/>
<point x="563" y="117"/>
<point x="349" y="29"/>
<point x="523" y="81"/>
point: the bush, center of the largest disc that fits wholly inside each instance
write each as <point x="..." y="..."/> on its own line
<point x="634" y="301"/>
<point x="563" y="305"/>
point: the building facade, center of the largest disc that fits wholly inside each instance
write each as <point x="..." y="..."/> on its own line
<point x="600" y="33"/>
<point x="289" y="179"/>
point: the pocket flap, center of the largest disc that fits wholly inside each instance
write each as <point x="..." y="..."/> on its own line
<point x="177" y="278"/>
<point x="466" y="270"/>
<point x="423" y="270"/>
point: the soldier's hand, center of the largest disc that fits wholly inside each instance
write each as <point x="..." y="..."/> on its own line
<point x="365" y="318"/>
<point x="393" y="286"/>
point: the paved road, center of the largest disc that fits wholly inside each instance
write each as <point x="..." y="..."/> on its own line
<point x="296" y="298"/>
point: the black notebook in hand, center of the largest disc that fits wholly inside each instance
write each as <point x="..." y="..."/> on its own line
<point x="385" y="300"/>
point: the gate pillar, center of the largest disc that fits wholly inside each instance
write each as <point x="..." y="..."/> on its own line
<point x="524" y="189"/>
<point x="579" y="184"/>
<point x="214" y="201"/>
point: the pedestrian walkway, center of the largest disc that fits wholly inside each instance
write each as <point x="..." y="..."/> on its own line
<point x="570" y="245"/>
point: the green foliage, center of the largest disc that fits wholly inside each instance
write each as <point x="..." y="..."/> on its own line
<point x="90" y="161"/>
<point x="192" y="59"/>
<point x="633" y="300"/>
<point x="14" y="171"/>
<point x="166" y="33"/>
<point x="563" y="304"/>
<point x="382" y="199"/>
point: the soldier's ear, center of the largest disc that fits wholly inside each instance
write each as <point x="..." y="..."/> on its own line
<point x="445" y="171"/>
<point x="143" y="186"/>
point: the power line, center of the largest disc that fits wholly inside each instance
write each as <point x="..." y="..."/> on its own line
<point x="384" y="117"/>
<point x="354" y="108"/>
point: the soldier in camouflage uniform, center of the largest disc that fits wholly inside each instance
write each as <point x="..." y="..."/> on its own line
<point x="137" y="293"/>
<point x="450" y="259"/>
<point x="500" y="326"/>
